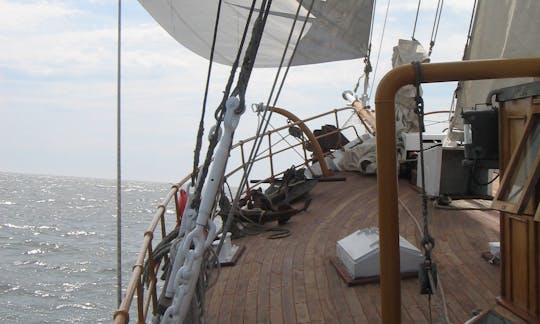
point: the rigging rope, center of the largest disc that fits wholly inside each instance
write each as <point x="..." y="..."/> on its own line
<point x="188" y="261"/>
<point x="380" y="47"/>
<point x="265" y="127"/>
<point x="427" y="240"/>
<point x="262" y="128"/>
<point x="469" y="33"/>
<point x="203" y="113"/>
<point x="119" y="162"/>
<point x="283" y="138"/>
<point x="428" y="272"/>
<point x="219" y="114"/>
<point x="435" y="28"/>
<point x="300" y="35"/>
<point x="416" y="19"/>
<point x="250" y="55"/>
<point x="372" y="22"/>
<point x="368" y="68"/>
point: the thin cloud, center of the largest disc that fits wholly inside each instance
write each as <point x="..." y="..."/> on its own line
<point x="15" y="16"/>
<point x="60" y="69"/>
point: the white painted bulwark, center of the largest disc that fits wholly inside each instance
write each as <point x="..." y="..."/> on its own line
<point x="359" y="254"/>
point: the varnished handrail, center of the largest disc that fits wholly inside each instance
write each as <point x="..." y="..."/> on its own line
<point x="386" y="154"/>
<point x="122" y="314"/>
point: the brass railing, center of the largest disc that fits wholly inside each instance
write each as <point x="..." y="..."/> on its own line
<point x="136" y="286"/>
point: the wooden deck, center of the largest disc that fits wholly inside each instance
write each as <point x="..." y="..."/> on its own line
<point x="291" y="280"/>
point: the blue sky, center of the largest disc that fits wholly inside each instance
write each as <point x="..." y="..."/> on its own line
<point x="58" y="85"/>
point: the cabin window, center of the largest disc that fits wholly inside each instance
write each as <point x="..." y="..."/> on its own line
<point x="521" y="178"/>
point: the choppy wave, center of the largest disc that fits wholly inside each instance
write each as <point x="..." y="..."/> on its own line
<point x="69" y="287"/>
<point x="58" y="240"/>
<point x="41" y="293"/>
<point x="80" y="233"/>
<point x="81" y="306"/>
<point x="30" y="227"/>
<point x="8" y="225"/>
<point x="35" y="251"/>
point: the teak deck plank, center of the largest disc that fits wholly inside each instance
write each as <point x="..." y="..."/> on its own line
<point x="291" y="280"/>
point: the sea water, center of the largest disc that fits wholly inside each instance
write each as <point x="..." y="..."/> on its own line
<point x="58" y="245"/>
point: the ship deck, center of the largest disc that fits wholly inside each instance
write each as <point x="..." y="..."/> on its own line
<point x="291" y="280"/>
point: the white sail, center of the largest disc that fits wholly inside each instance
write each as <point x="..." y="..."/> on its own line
<point x="335" y="30"/>
<point x="507" y="29"/>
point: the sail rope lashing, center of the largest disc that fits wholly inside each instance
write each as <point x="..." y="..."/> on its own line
<point x="380" y="47"/>
<point x="416" y="19"/>
<point x="435" y="29"/>
<point x="368" y="68"/>
<point x="200" y="131"/>
<point x="119" y="160"/>
<point x="428" y="269"/>
<point x="262" y="128"/>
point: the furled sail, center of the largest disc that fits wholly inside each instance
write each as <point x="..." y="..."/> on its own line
<point x="335" y="30"/>
<point x="505" y="30"/>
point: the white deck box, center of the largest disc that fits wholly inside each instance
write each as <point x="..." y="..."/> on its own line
<point x="359" y="253"/>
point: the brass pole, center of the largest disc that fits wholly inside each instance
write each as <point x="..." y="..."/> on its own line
<point x="387" y="162"/>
